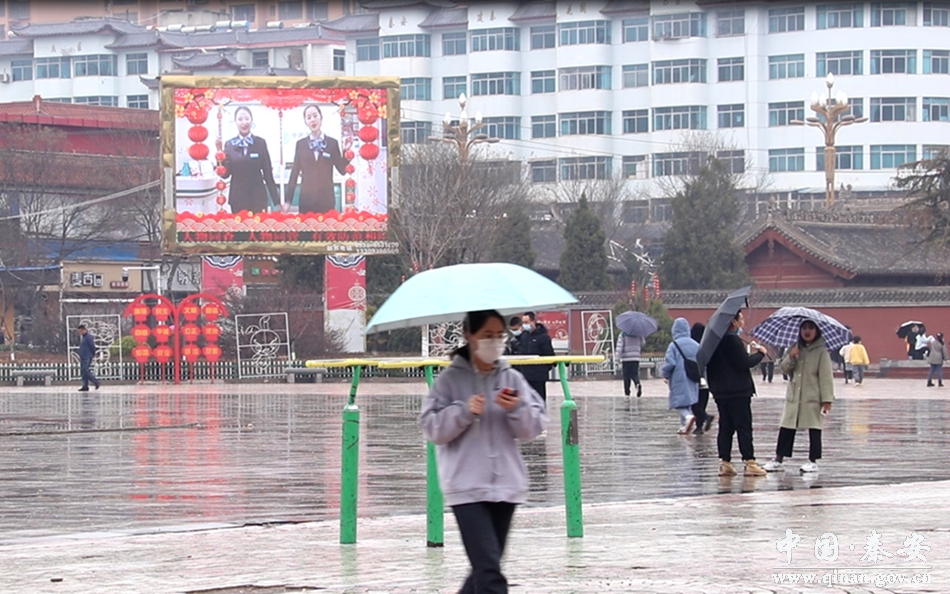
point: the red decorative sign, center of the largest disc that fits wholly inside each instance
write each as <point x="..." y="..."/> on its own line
<point x="141" y="353"/>
<point x="190" y="311"/>
<point x="140" y="312"/>
<point x="162" y="311"/>
<point x="191" y="352"/>
<point x="163" y="353"/>
<point x="140" y="332"/>
<point x="162" y="333"/>
<point x="211" y="311"/>
<point x="212" y="352"/>
<point x="191" y="332"/>
<point x="211" y="332"/>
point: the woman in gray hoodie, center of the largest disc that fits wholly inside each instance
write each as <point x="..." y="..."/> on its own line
<point x="476" y="412"/>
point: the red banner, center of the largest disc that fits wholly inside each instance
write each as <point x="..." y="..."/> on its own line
<point x="345" y="282"/>
<point x="556" y="322"/>
<point x="222" y="275"/>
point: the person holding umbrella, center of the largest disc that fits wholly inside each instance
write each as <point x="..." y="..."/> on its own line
<point x="634" y="327"/>
<point x="478" y="410"/>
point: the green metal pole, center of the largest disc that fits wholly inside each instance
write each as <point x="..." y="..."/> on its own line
<point x="572" y="459"/>
<point x="349" y="481"/>
<point x="435" y="508"/>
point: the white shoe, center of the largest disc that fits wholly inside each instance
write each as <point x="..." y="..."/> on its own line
<point x="809" y="467"/>
<point x="773" y="466"/>
<point x="688" y="426"/>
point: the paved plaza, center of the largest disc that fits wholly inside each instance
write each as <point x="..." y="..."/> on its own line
<point x="235" y="488"/>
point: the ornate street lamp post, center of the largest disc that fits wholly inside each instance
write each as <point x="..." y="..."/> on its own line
<point x="465" y="134"/>
<point x="829" y="109"/>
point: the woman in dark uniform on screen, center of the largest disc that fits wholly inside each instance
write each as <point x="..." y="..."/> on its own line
<point x="316" y="156"/>
<point x="249" y="167"/>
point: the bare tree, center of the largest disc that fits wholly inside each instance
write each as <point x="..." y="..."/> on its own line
<point x="605" y="198"/>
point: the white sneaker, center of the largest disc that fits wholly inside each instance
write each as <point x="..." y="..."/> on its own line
<point x="773" y="466"/>
<point x="809" y="467"/>
<point x="688" y="425"/>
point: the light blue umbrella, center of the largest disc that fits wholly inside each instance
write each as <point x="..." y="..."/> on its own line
<point x="447" y="294"/>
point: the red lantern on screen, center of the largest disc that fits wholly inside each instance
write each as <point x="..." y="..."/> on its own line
<point x="368" y="133"/>
<point x="197" y="134"/>
<point x="162" y="311"/>
<point x="199" y="152"/>
<point x="212" y="352"/>
<point x="163" y="353"/>
<point x="221" y="170"/>
<point x="211" y="332"/>
<point x="197" y="116"/>
<point x="369" y="151"/>
<point x="350" y="183"/>
<point x="141" y="353"/>
<point x="349" y="168"/>
<point x="368" y="115"/>
<point x="191" y="352"/>
<point x="191" y="332"/>
<point x="140" y="312"/>
<point x="190" y="311"/>
<point x="211" y="311"/>
<point x="348" y="155"/>
<point x="219" y="156"/>
<point x="140" y="332"/>
<point x="220" y="185"/>
<point x="162" y="333"/>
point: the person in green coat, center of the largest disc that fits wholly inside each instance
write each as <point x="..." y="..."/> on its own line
<point x="808" y="396"/>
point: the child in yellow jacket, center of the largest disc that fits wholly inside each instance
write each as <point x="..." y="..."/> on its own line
<point x="858" y="358"/>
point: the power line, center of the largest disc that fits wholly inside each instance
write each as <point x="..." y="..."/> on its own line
<point x="101" y="199"/>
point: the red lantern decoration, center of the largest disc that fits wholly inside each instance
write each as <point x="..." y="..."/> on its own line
<point x="348" y="155"/>
<point x="221" y="185"/>
<point x="211" y="311"/>
<point x="219" y="156"/>
<point x="163" y="353"/>
<point x="141" y="353"/>
<point x="191" y="332"/>
<point x="191" y="352"/>
<point x="140" y="332"/>
<point x="212" y="352"/>
<point x="221" y="170"/>
<point x="190" y="311"/>
<point x="349" y="168"/>
<point x="140" y="312"/>
<point x="197" y="116"/>
<point x="162" y="311"/>
<point x="197" y="134"/>
<point x="211" y="332"/>
<point x="221" y="199"/>
<point x="199" y="152"/>
<point x="162" y="333"/>
<point x="369" y="151"/>
<point x="368" y="133"/>
<point x="368" y="115"/>
<point x="350" y="183"/>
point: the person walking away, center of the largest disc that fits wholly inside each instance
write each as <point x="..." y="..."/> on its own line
<point x="938" y="354"/>
<point x="87" y="351"/>
<point x="845" y="353"/>
<point x="514" y="340"/>
<point x="628" y="353"/>
<point x="808" y="397"/>
<point x="535" y="340"/>
<point x="684" y="392"/>
<point x="703" y="420"/>
<point x="858" y="356"/>
<point x="767" y="366"/>
<point x="732" y="387"/>
<point x="478" y="410"/>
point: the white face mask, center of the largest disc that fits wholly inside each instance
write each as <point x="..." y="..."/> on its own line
<point x="490" y="349"/>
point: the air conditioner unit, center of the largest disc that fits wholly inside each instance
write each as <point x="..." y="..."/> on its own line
<point x="4" y="77"/>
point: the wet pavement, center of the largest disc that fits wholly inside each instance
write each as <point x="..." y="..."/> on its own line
<point x="174" y="489"/>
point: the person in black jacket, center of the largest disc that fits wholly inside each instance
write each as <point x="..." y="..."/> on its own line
<point x="87" y="351"/>
<point x="704" y="420"/>
<point x="535" y="341"/>
<point x="248" y="164"/>
<point x="729" y="376"/>
<point x="315" y="157"/>
<point x="513" y="346"/>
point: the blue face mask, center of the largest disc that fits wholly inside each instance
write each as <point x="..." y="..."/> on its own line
<point x="517" y="332"/>
<point x="528" y="327"/>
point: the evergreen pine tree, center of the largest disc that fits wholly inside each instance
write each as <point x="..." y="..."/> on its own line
<point x="584" y="260"/>
<point x="513" y="242"/>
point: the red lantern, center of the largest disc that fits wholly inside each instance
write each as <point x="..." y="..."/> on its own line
<point x="199" y="152"/>
<point x="349" y="168"/>
<point x="140" y="313"/>
<point x="348" y="155"/>
<point x="163" y="353"/>
<point x="368" y="115"/>
<point x="190" y="311"/>
<point x="368" y="133"/>
<point x="162" y="333"/>
<point x="191" y="332"/>
<point x="369" y="151"/>
<point x="197" y="116"/>
<point x="140" y="332"/>
<point x="350" y="183"/>
<point x="197" y="133"/>
<point x="211" y="332"/>
<point x="212" y="352"/>
<point x="191" y="352"/>
<point x="219" y="156"/>
<point x="221" y="170"/>
<point x="141" y="353"/>
<point x="221" y="199"/>
<point x="211" y="311"/>
<point x="221" y="185"/>
<point x="162" y="311"/>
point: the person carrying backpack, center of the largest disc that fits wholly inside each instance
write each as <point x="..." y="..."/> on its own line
<point x="682" y="377"/>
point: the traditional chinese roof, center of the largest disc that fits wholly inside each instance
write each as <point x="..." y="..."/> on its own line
<point x="80" y="26"/>
<point x="150" y="83"/>
<point x="548" y="244"/>
<point x="202" y="61"/>
<point x="626" y="6"/>
<point x="16" y="47"/>
<point x="388" y="4"/>
<point x="271" y="71"/>
<point x="355" y="23"/>
<point x="83" y="116"/>
<point x="229" y="38"/>
<point x="446" y="17"/>
<point x="535" y="10"/>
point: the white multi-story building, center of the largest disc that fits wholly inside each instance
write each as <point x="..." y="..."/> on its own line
<point x="585" y="90"/>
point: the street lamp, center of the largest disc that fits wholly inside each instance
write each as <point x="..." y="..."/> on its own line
<point x="465" y="134"/>
<point x="829" y="109"/>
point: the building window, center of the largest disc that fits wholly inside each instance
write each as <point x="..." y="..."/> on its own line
<point x="893" y="61"/>
<point x="52" y="68"/>
<point x="791" y="159"/>
<point x="733" y="160"/>
<point x="893" y="109"/>
<point x="936" y="109"/>
<point x="585" y="33"/>
<point x="19" y="10"/>
<point x="676" y="163"/>
<point x="22" y="69"/>
<point x="543" y="37"/>
<point x="584" y="77"/>
<point x="683" y="117"/>
<point x="490" y="40"/>
<point x="543" y="172"/>
<point x="58" y="99"/>
<point x="496" y="83"/>
<point x="936" y="14"/>
<point x="319" y="11"/>
<point x="544" y="126"/>
<point x="732" y="115"/>
<point x="634" y="167"/>
<point x="846" y="157"/>
<point x="339" y="60"/>
<point x="543" y="81"/>
<point x="636" y="75"/>
<point x="136" y="64"/>
<point x="503" y="127"/>
<point x="678" y="26"/>
<point x="98" y="65"/>
<point x="242" y="12"/>
<point x="730" y="22"/>
<point x="575" y="168"/>
<point x="260" y="59"/>
<point x="788" y="66"/>
<point x="415" y="132"/>
<point x="137" y="101"/>
<point x="103" y="100"/>
<point x="840" y="16"/>
<point x="782" y="114"/>
<point x="934" y="151"/>
<point x="892" y="156"/>
<point x="731" y="69"/>
<point x="454" y="44"/>
<point x="636" y="121"/>
<point x="936" y="62"/>
<point x="637" y="29"/>
<point x="367" y="50"/>
<point x="405" y="46"/>
<point x="453" y="86"/>
<point x="893" y="14"/>
<point x="585" y="122"/>
<point x="290" y="11"/>
<point x="786" y="19"/>
<point x="679" y="71"/>
<point x="416" y="89"/>
<point x="855" y="107"/>
<point x="636" y="211"/>
<point x="839" y="63"/>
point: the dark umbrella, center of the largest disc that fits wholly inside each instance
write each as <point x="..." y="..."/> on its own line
<point x="905" y="330"/>
<point x="636" y="323"/>
<point x="719" y="324"/>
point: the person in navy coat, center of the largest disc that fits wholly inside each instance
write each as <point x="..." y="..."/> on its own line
<point x="249" y="166"/>
<point x="316" y="156"/>
<point x="87" y="351"/>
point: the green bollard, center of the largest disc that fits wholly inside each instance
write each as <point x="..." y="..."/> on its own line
<point x="349" y="481"/>
<point x="435" y="508"/>
<point x="572" y="459"/>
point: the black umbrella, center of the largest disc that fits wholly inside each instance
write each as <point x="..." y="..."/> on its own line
<point x="906" y="329"/>
<point x="719" y="324"/>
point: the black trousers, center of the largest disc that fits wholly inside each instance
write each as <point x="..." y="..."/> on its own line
<point x="541" y="387"/>
<point x="631" y="373"/>
<point x="786" y="439"/>
<point x="768" y="370"/>
<point x="85" y="372"/>
<point x="735" y="417"/>
<point x="484" y="527"/>
<point x="699" y="409"/>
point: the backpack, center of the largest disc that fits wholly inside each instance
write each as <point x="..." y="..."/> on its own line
<point x="691" y="367"/>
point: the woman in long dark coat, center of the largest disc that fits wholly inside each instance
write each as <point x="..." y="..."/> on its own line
<point x="249" y="166"/>
<point x="314" y="160"/>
